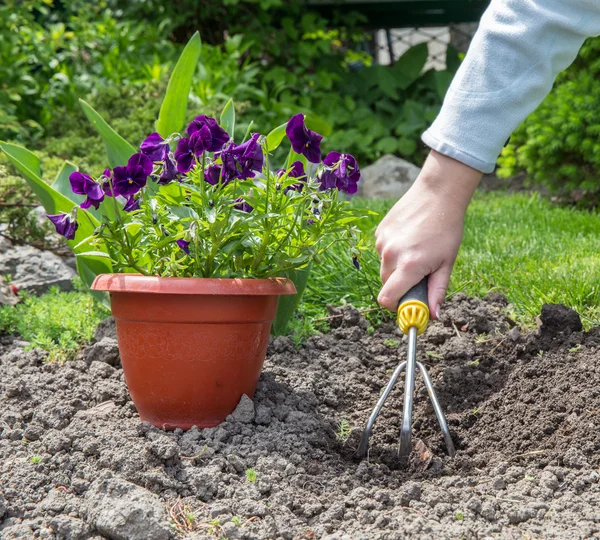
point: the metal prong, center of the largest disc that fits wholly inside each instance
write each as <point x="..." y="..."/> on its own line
<point x="405" y="447"/>
<point x="438" y="411"/>
<point x="363" y="447"/>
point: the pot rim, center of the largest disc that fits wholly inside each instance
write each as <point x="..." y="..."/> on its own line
<point x="136" y="283"/>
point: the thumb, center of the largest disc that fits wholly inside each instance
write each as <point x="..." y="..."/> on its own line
<point x="438" y="285"/>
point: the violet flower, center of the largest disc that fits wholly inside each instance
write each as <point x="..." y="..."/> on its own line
<point x="249" y="156"/>
<point x="189" y="148"/>
<point x="304" y="141"/>
<point x="355" y="262"/>
<point x="218" y="136"/>
<point x="342" y="172"/>
<point x="169" y="171"/>
<point x="297" y="171"/>
<point x="155" y="147"/>
<point x="131" y="204"/>
<point x="129" y="179"/>
<point x="82" y="184"/>
<point x="184" y="245"/>
<point x="212" y="174"/>
<point x="64" y="225"/>
<point x="243" y="205"/>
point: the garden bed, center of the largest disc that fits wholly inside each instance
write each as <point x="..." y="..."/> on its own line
<point x="523" y="408"/>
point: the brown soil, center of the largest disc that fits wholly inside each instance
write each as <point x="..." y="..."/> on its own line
<point x="523" y="409"/>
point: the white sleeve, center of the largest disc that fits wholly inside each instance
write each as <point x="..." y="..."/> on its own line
<point x="517" y="52"/>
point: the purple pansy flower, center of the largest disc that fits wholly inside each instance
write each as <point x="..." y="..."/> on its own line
<point x="342" y="172"/>
<point x="213" y="174"/>
<point x="155" y="147"/>
<point x="184" y="245"/>
<point x="304" y="141"/>
<point x="217" y="135"/>
<point x="105" y="179"/>
<point x="129" y="179"/>
<point x="131" y="204"/>
<point x="243" y="205"/>
<point x="82" y="184"/>
<point x="297" y="171"/>
<point x="229" y="165"/>
<point x="64" y="225"/>
<point x="189" y="148"/>
<point x="169" y="171"/>
<point x="249" y="156"/>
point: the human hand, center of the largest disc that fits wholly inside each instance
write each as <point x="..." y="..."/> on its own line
<point x="421" y="234"/>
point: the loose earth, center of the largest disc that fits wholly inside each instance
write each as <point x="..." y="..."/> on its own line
<point x="523" y="409"/>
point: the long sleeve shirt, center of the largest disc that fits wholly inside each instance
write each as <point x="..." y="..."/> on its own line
<point x="512" y="62"/>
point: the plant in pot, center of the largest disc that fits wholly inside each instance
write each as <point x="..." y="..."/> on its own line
<point x="197" y="233"/>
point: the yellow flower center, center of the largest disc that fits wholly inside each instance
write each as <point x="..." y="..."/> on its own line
<point x="130" y="182"/>
<point x="306" y="145"/>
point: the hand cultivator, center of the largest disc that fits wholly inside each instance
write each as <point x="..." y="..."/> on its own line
<point x="413" y="318"/>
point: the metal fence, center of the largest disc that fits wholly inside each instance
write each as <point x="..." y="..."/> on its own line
<point x="389" y="44"/>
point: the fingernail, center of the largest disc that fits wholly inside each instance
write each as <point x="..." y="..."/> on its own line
<point x="437" y="312"/>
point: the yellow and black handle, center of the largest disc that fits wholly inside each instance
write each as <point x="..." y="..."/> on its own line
<point x="413" y="309"/>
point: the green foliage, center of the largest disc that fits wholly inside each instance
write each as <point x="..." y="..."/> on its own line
<point x="56" y="322"/>
<point x="559" y="145"/>
<point x="251" y="475"/>
<point x="344" y="430"/>
<point x="51" y="53"/>
<point x="174" y="106"/>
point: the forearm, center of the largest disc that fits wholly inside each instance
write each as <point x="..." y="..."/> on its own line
<point x="449" y="179"/>
<point x="511" y="65"/>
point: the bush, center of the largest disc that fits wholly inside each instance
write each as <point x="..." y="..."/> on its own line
<point x="558" y="145"/>
<point x="52" y="53"/>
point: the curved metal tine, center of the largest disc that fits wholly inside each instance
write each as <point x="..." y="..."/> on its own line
<point x="363" y="447"/>
<point x="438" y="411"/>
<point x="405" y="446"/>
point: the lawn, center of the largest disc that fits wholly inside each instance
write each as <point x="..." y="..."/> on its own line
<point x="516" y="244"/>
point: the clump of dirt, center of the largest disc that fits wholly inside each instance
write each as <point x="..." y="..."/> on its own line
<point x="76" y="462"/>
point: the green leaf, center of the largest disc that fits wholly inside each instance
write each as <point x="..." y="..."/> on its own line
<point x="275" y="137"/>
<point x="94" y="254"/>
<point x="387" y="83"/>
<point x="228" y="118"/>
<point x="118" y="149"/>
<point x="288" y="304"/>
<point x="452" y="59"/>
<point x="442" y="82"/>
<point x="52" y="201"/>
<point x="28" y="159"/>
<point x="174" y="105"/>
<point x="293" y="156"/>
<point x="410" y="65"/>
<point x="88" y="268"/>
<point x="315" y="123"/>
<point x="62" y="184"/>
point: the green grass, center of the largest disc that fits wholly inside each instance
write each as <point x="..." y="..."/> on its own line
<point x="56" y="322"/>
<point x="516" y="244"/>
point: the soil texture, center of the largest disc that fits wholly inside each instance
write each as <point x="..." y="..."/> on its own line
<point x="523" y="409"/>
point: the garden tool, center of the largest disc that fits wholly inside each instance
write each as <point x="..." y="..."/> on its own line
<point x="413" y="318"/>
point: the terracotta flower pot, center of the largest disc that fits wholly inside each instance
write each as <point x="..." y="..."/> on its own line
<point x="191" y="347"/>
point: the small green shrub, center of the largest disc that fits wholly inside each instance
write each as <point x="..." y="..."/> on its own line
<point x="559" y="144"/>
<point x="57" y="322"/>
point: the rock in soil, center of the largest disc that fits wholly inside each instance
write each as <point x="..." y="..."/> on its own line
<point x="76" y="462"/>
<point x="34" y="270"/>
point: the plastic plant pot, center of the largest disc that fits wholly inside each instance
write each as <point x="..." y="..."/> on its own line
<point x="191" y="347"/>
